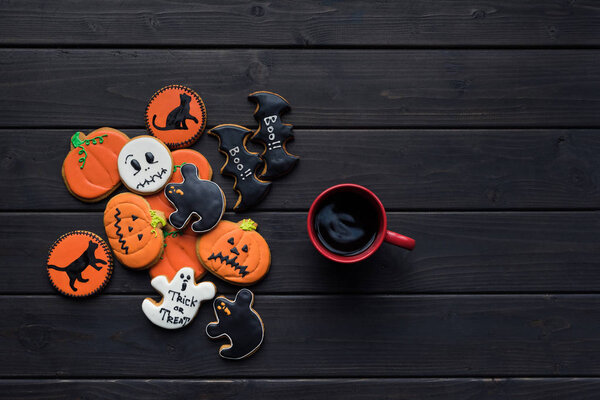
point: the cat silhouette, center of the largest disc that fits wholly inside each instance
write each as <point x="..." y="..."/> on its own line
<point x="176" y="118"/>
<point x="75" y="268"/>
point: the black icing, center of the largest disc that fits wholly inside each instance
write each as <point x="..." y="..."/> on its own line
<point x="80" y="264"/>
<point x="239" y="322"/>
<point x="195" y="196"/>
<point x="242" y="165"/>
<point x="273" y="134"/>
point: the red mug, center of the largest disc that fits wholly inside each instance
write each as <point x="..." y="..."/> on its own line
<point x="382" y="233"/>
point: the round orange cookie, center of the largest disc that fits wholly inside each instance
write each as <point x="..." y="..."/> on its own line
<point x="180" y="251"/>
<point x="176" y="115"/>
<point x="234" y="252"/>
<point x="90" y="169"/>
<point x="134" y="230"/>
<point x="79" y="264"/>
<point x="158" y="201"/>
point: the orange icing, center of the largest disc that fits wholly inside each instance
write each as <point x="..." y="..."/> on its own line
<point x="179" y="252"/>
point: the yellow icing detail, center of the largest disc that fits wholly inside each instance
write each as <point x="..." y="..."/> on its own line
<point x="156" y="219"/>
<point x="248" y="225"/>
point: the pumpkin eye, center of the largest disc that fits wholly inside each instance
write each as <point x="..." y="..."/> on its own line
<point x="230" y="241"/>
<point x="150" y="158"/>
<point x="182" y="276"/>
<point x="136" y="165"/>
<point x="245" y="248"/>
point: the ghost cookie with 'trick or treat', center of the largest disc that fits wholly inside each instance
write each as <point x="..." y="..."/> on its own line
<point x="145" y="165"/>
<point x="181" y="299"/>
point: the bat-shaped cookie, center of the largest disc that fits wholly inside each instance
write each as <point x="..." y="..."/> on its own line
<point x="241" y="164"/>
<point x="273" y="134"/>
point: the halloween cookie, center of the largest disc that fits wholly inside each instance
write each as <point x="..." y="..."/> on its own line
<point x="195" y="197"/>
<point x="145" y="165"/>
<point x="241" y="164"/>
<point x="238" y="322"/>
<point x="234" y="252"/>
<point x="273" y="134"/>
<point x="181" y="299"/>
<point x="180" y="249"/>
<point x="90" y="169"/>
<point x="79" y="264"/>
<point x="134" y="230"/>
<point x="158" y="201"/>
<point x="176" y="115"/>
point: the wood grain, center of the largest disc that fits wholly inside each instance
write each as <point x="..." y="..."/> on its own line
<point x="310" y="336"/>
<point x="408" y="169"/>
<point x="326" y="88"/>
<point x="313" y="389"/>
<point x="312" y="23"/>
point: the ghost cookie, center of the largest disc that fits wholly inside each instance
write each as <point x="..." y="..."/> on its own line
<point x="90" y="169"/>
<point x="181" y="299"/>
<point x="195" y="197"/>
<point x="134" y="230"/>
<point x="176" y="115"/>
<point x="180" y="249"/>
<point x="234" y="252"/>
<point x="79" y="264"/>
<point x="145" y="165"/>
<point x="241" y="165"/>
<point x="273" y="134"/>
<point x="238" y="322"/>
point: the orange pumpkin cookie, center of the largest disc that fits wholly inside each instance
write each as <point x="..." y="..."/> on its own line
<point x="90" y="169"/>
<point x="134" y="230"/>
<point x="234" y="252"/>
<point x="158" y="201"/>
<point x="180" y="251"/>
<point x="176" y="115"/>
<point x="79" y="264"/>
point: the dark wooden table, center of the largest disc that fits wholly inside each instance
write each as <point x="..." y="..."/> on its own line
<point x="475" y="122"/>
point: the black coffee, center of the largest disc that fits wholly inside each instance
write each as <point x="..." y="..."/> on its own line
<point x="346" y="223"/>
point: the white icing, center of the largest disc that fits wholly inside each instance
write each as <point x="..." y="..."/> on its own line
<point x="181" y="299"/>
<point x="140" y="174"/>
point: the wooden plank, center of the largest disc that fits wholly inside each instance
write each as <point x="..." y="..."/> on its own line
<point x="315" y="389"/>
<point x="408" y="169"/>
<point x="310" y="336"/>
<point x="314" y="23"/>
<point x="456" y="253"/>
<point x="326" y="88"/>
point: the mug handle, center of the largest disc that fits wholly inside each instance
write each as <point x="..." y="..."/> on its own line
<point x="399" y="240"/>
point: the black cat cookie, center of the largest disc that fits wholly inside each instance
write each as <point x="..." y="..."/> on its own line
<point x="176" y="115"/>
<point x="241" y="164"/>
<point x="79" y="264"/>
<point x="195" y="197"/>
<point x="238" y="322"/>
<point x="273" y="134"/>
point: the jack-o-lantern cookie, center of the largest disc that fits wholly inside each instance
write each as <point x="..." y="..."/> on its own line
<point x="79" y="264"/>
<point x="90" y="169"/>
<point x="180" y="249"/>
<point x="134" y="230"/>
<point x="158" y="201"/>
<point x="176" y="115"/>
<point x="145" y="165"/>
<point x="234" y="252"/>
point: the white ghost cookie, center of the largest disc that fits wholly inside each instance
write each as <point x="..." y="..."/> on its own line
<point x="181" y="299"/>
<point x="145" y="165"/>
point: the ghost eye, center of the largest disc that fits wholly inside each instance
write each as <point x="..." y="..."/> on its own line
<point x="150" y="158"/>
<point x="189" y="277"/>
<point x="136" y="165"/>
<point x="182" y="276"/>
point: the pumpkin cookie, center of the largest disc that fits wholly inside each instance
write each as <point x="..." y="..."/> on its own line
<point x="134" y="230"/>
<point x="158" y="201"/>
<point x="90" y="169"/>
<point x="234" y="252"/>
<point x="145" y="165"/>
<point x="180" y="249"/>
<point x="176" y="115"/>
<point x="79" y="264"/>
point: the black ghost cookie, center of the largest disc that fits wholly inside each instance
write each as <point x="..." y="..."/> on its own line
<point x="240" y="323"/>
<point x="273" y="134"/>
<point x="195" y="196"/>
<point x="241" y="164"/>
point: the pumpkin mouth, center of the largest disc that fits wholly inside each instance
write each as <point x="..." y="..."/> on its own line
<point x="241" y="269"/>
<point x="152" y="178"/>
<point x="118" y="231"/>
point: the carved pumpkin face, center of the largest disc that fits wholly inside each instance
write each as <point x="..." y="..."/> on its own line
<point x="234" y="252"/>
<point x="180" y="250"/>
<point x="134" y="231"/>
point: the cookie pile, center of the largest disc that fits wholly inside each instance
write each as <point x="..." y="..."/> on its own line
<point x="170" y="220"/>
